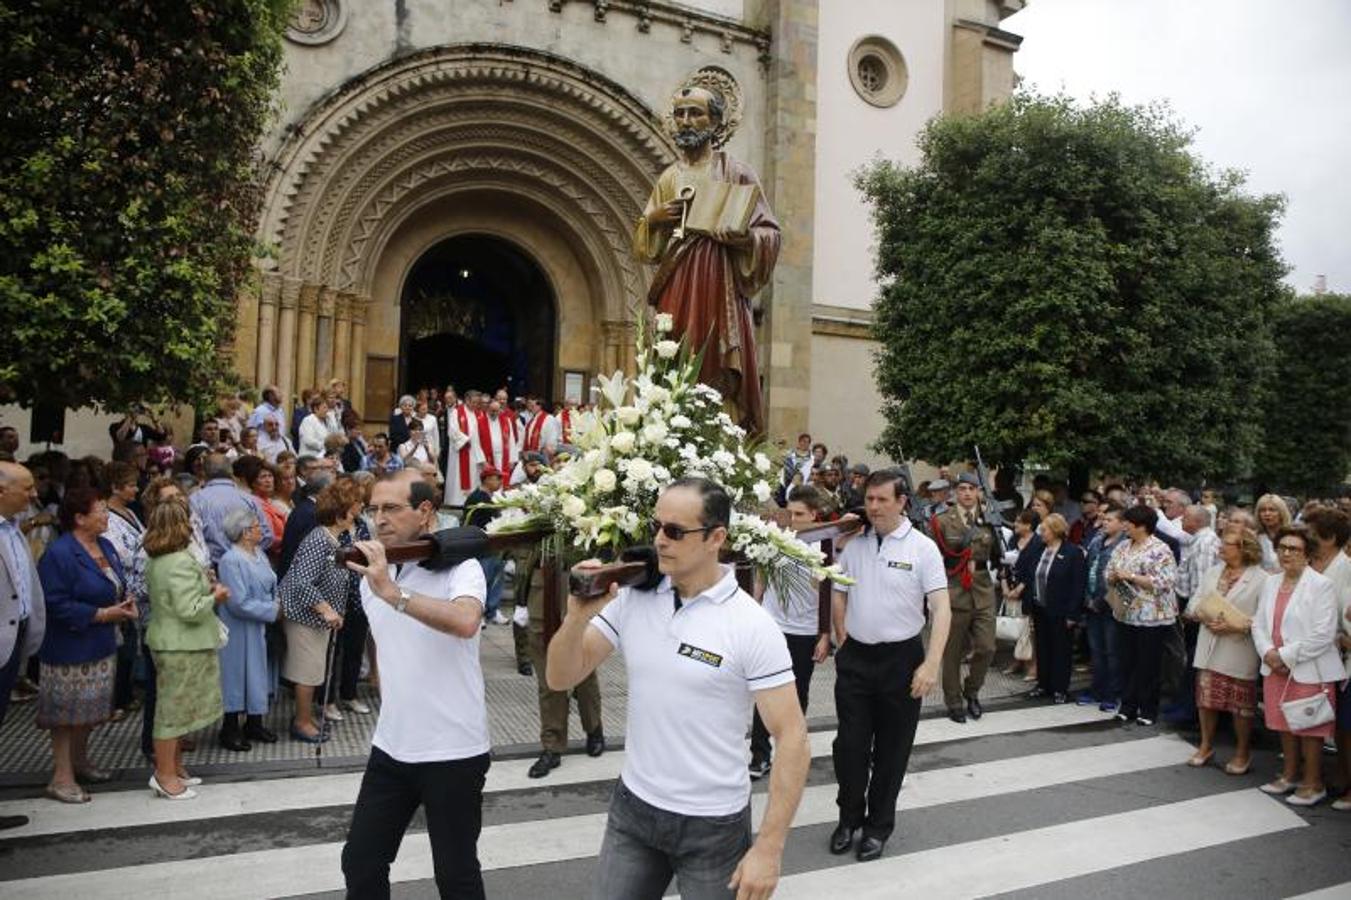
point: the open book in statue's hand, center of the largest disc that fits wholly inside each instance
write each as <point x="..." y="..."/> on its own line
<point x="718" y="207"/>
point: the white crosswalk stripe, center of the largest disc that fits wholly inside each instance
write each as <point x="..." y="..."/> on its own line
<point x="1037" y="851"/>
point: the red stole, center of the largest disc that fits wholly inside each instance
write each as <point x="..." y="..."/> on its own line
<point x="504" y="422"/>
<point x="533" y="430"/>
<point x="462" y="414"/>
<point x="565" y="419"/>
<point x="485" y="434"/>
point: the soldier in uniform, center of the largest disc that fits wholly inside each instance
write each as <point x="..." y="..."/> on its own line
<point x="967" y="543"/>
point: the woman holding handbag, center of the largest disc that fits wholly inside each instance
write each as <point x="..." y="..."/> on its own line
<point x="1226" y="661"/>
<point x="1058" y="583"/>
<point x="1295" y="632"/>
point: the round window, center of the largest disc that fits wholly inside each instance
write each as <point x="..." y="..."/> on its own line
<point x="877" y="71"/>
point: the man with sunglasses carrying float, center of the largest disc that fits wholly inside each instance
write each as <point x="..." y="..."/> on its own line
<point x="431" y="743"/>
<point x="699" y="652"/>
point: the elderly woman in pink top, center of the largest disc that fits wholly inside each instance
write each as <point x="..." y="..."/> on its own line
<point x="1295" y="633"/>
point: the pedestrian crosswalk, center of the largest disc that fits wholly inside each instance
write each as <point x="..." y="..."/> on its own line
<point x="1020" y="800"/>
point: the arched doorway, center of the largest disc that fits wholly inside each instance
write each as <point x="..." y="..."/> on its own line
<point x="477" y="313"/>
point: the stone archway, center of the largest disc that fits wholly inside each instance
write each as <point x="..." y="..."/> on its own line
<point x="487" y="139"/>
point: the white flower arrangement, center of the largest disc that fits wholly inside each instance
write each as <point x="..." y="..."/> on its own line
<point x="647" y="431"/>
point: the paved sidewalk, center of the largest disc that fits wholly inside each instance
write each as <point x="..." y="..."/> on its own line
<point x="513" y="720"/>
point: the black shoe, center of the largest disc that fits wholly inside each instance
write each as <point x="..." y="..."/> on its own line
<point x="233" y="740"/>
<point x="1034" y="694"/>
<point x="260" y="733"/>
<point x="759" y="768"/>
<point x="547" y="762"/>
<point x="595" y="743"/>
<point x="526" y="669"/>
<point x="955" y="714"/>
<point x="12" y="822"/>
<point x="870" y="848"/>
<point x="1060" y="698"/>
<point x="841" y="839"/>
<point x="973" y="708"/>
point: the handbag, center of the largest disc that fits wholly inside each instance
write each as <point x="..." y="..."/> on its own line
<point x="1117" y="602"/>
<point x="1009" y="627"/>
<point x="1307" y="712"/>
<point x="1213" y="606"/>
<point x="1023" y="651"/>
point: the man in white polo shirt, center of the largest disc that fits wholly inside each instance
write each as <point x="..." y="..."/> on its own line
<point x="882" y="670"/>
<point x="431" y="742"/>
<point x="699" y="652"/>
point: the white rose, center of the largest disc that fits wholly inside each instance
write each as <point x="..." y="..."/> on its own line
<point x="629" y="415"/>
<point x="573" y="506"/>
<point x="723" y="460"/>
<point x="604" y="480"/>
<point x="667" y="349"/>
<point x="679" y="421"/>
<point x="665" y="322"/>
<point x="622" y="442"/>
<point x="640" y="469"/>
<point x="654" y="433"/>
<point x="658" y="395"/>
<point x="762" y="492"/>
<point x="762" y="463"/>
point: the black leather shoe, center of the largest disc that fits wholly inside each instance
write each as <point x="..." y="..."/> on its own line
<point x="973" y="707"/>
<point x="12" y="822"/>
<point x="526" y="669"/>
<point x="956" y="715"/>
<point x="547" y="762"/>
<point x="595" y="743"/>
<point x="260" y="733"/>
<point x="233" y="740"/>
<point x="870" y="848"/>
<point x="841" y="839"/>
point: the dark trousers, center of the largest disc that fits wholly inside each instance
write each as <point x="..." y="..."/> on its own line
<point x="148" y="708"/>
<point x="1055" y="652"/>
<point x="1141" y="650"/>
<point x="9" y="672"/>
<point x="800" y="647"/>
<point x="353" y="650"/>
<point x="451" y="795"/>
<point x="1102" y="643"/>
<point x="123" y="684"/>
<point x="877" y="721"/>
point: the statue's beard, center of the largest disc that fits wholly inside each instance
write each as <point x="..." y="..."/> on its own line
<point x="693" y="138"/>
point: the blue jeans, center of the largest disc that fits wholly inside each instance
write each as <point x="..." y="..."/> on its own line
<point x="492" y="573"/>
<point x="644" y="846"/>
<point x="1102" y="644"/>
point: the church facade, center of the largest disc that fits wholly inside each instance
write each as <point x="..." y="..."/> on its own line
<point x="453" y="185"/>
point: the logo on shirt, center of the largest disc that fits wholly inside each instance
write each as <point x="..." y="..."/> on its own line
<point x="898" y="564"/>
<point x="703" y="656"/>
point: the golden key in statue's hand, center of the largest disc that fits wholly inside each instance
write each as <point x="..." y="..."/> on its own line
<point x="684" y="199"/>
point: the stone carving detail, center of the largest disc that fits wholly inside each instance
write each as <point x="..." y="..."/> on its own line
<point x="328" y="300"/>
<point x="687" y="31"/>
<point x="309" y="298"/>
<point x="317" y="22"/>
<point x="644" y="18"/>
<point x="290" y="293"/>
<point x="602" y="8"/>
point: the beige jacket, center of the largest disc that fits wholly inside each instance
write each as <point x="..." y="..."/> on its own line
<point x="1229" y="654"/>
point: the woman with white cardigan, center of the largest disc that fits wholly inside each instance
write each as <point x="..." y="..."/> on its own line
<point x="1295" y="633"/>
<point x="1331" y="531"/>
<point x="1226" y="661"/>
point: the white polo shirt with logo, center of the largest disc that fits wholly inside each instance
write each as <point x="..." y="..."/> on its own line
<point x="691" y="676"/>
<point x="432" y="707"/>
<point x="892" y="577"/>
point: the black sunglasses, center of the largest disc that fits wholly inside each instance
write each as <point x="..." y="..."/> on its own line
<point x="675" y="532"/>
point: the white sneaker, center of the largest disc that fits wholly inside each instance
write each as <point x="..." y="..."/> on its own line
<point x="357" y="707"/>
<point x="332" y="713"/>
<point x="499" y="619"/>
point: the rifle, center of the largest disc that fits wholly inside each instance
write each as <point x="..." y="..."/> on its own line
<point x="994" y="510"/>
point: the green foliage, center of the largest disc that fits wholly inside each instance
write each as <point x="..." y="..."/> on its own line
<point x="1069" y="284"/>
<point x="128" y="191"/>
<point x="1308" y="413"/>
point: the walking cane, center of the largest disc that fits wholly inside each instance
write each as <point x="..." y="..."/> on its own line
<point x="329" y="654"/>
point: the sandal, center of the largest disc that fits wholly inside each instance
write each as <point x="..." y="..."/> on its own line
<point x="1198" y="760"/>
<point x="1232" y="768"/>
<point x="68" y="793"/>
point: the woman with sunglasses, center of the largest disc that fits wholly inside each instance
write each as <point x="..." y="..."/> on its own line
<point x="1295" y="632"/>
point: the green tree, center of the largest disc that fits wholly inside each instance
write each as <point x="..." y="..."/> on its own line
<point x="1307" y="448"/>
<point x="1070" y="284"/>
<point x="128" y="192"/>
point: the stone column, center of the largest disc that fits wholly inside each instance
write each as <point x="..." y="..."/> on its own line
<point x="267" y="327"/>
<point x="305" y="336"/>
<point x="286" y="338"/>
<point x="244" y="342"/>
<point x="342" y="337"/>
<point x="323" y="336"/>
<point x="790" y="180"/>
<point x="356" y="388"/>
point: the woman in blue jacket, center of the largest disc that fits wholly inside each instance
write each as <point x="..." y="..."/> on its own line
<point x="252" y="603"/>
<point x="1059" y="578"/>
<point x="86" y="602"/>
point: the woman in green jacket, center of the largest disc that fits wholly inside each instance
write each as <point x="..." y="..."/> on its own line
<point x="183" y="636"/>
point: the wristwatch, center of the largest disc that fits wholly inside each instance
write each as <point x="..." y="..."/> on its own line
<point x="404" y="599"/>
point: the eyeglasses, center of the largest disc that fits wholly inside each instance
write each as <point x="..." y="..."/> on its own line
<point x="387" y="509"/>
<point x="1232" y="543"/>
<point x="1290" y="548"/>
<point x="675" y="532"/>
